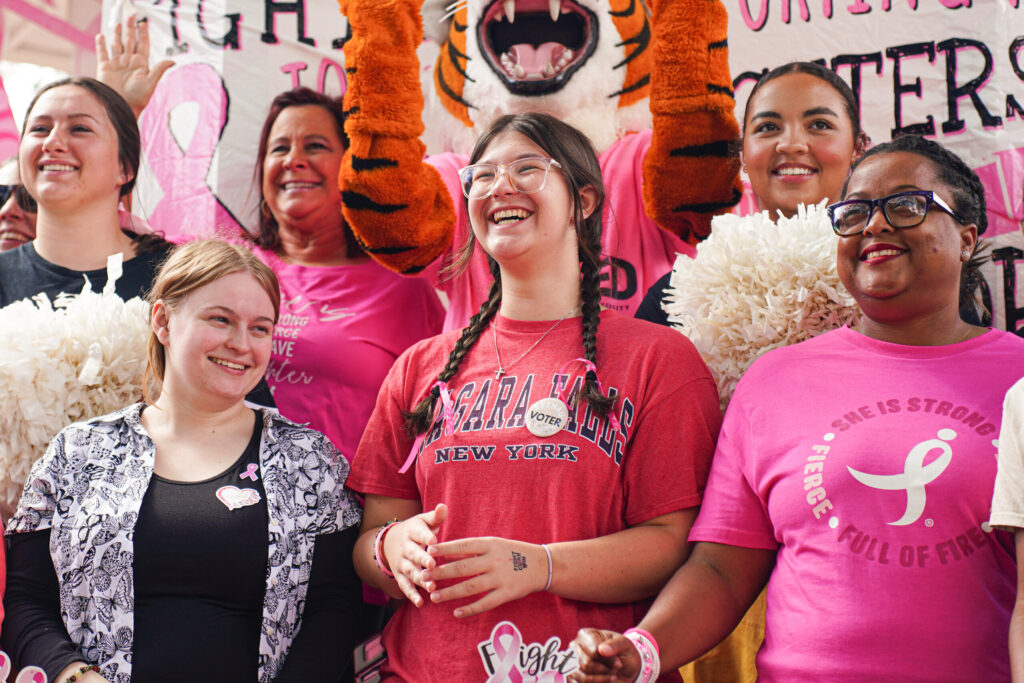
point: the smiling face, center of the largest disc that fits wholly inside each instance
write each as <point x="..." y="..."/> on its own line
<point x="300" y="169"/>
<point x="217" y="341"/>
<point x="510" y="224"/>
<point x="897" y="276"/>
<point x="798" y="143"/>
<point x="69" y="154"/>
<point x="17" y="226"/>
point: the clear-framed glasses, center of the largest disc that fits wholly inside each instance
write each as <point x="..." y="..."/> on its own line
<point x="21" y="196"/>
<point x="526" y="175"/>
<point x="901" y="210"/>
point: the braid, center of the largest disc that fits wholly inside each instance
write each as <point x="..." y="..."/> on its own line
<point x="591" y="295"/>
<point x="419" y="419"/>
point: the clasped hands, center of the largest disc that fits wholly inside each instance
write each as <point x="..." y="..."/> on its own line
<point x="498" y="570"/>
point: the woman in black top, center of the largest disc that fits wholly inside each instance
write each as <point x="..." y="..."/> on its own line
<point x="176" y="540"/>
<point x="78" y="156"/>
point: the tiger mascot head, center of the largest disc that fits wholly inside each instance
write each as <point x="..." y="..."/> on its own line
<point x="587" y="62"/>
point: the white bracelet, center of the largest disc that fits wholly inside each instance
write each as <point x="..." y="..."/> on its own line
<point x="546" y="550"/>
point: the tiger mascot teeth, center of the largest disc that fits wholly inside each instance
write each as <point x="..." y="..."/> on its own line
<point x="651" y="87"/>
<point x="588" y="62"/>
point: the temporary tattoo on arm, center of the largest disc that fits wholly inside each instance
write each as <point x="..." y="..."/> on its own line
<point x="518" y="561"/>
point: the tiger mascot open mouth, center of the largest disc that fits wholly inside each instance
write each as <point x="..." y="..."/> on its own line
<point x="585" y="61"/>
<point x="535" y="46"/>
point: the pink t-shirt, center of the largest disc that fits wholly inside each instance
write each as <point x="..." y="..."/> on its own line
<point x="640" y="252"/>
<point x="498" y="479"/>
<point x="340" y="330"/>
<point x="870" y="467"/>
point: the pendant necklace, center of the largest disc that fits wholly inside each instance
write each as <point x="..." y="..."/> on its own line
<point x="494" y="335"/>
<point x="548" y="416"/>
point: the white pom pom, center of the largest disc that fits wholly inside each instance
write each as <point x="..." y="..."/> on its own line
<point x="48" y="354"/>
<point x="757" y="285"/>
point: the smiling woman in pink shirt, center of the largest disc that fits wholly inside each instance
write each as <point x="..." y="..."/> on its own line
<point x="344" y="318"/>
<point x="854" y="471"/>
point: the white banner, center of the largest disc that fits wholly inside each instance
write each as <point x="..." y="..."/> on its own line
<point x="200" y="132"/>
<point x="949" y="69"/>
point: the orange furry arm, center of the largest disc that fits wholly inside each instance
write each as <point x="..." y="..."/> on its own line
<point x="690" y="173"/>
<point x="397" y="205"/>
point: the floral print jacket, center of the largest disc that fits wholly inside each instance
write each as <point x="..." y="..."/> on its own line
<point x="88" y="488"/>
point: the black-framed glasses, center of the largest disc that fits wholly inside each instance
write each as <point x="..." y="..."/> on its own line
<point x="526" y="175"/>
<point x="901" y="210"/>
<point x="21" y="195"/>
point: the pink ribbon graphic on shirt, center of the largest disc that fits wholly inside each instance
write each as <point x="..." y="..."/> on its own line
<point x="447" y="415"/>
<point x="506" y="671"/>
<point x="612" y="417"/>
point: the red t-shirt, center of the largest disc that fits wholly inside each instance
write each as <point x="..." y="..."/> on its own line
<point x="498" y="479"/>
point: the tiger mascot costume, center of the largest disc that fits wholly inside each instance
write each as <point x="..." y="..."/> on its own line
<point x="651" y="87"/>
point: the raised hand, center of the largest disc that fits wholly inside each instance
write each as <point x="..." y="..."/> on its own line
<point x="604" y="657"/>
<point x="498" y="569"/>
<point x="126" y="68"/>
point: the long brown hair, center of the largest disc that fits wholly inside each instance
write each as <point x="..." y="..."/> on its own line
<point x="575" y="154"/>
<point x="122" y="118"/>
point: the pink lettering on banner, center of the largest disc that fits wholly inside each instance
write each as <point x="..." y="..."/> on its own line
<point x="762" y="16"/>
<point x="188" y="205"/>
<point x="1004" y="191"/>
<point x="293" y="68"/>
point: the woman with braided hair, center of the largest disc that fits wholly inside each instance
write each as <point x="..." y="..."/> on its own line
<point x="542" y="467"/>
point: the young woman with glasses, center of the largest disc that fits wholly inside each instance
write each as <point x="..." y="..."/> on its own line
<point x="854" y="471"/>
<point x="540" y="468"/>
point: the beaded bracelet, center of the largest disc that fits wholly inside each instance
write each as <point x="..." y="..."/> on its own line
<point x="83" y="670"/>
<point x="378" y="550"/>
<point x="650" y="656"/>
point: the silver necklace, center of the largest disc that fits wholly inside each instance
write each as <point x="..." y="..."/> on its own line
<point x="494" y="335"/>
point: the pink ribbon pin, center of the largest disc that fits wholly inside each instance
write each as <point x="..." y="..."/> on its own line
<point x="250" y="473"/>
<point x="612" y="417"/>
<point x="447" y="415"/>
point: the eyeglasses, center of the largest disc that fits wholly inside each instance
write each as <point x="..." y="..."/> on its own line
<point x="21" y="195"/>
<point x="525" y="175"/>
<point x="901" y="210"/>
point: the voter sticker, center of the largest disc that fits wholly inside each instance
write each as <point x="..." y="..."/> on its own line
<point x="547" y="416"/>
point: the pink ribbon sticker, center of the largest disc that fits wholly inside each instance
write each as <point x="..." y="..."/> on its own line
<point x="612" y="417"/>
<point x="250" y="472"/>
<point x="447" y="415"/>
<point x="506" y="669"/>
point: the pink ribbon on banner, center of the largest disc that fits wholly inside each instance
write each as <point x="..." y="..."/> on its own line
<point x="590" y="368"/>
<point x="188" y="205"/>
<point x="447" y="416"/>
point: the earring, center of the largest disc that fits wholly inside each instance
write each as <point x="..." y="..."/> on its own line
<point x="965" y="254"/>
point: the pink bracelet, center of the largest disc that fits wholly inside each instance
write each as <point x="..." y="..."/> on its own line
<point x="378" y="550"/>
<point x="650" y="656"/>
